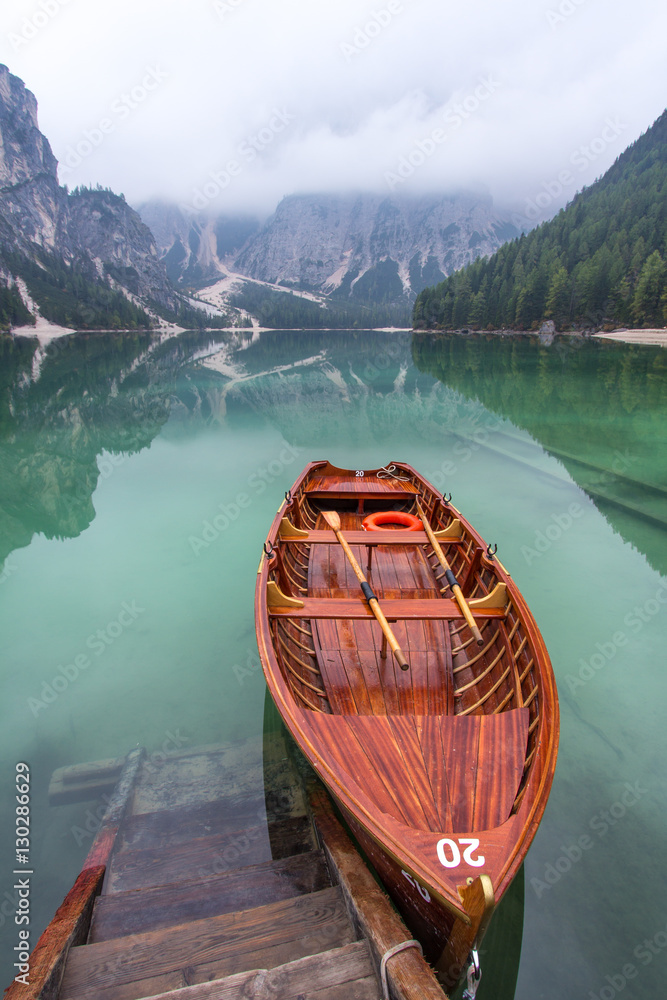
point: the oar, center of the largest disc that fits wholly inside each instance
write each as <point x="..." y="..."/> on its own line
<point x="333" y="520"/>
<point x="451" y="579"/>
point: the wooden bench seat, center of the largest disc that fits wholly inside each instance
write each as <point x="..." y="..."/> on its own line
<point x="437" y="609"/>
<point x="375" y="538"/>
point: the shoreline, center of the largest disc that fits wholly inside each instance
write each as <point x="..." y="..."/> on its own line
<point x="45" y="332"/>
<point x="649" y="337"/>
<point x="655" y="337"/>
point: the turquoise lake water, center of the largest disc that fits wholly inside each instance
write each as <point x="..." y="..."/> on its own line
<point x="138" y="479"/>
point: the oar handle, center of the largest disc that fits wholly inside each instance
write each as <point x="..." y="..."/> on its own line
<point x="467" y="614"/>
<point x="386" y="628"/>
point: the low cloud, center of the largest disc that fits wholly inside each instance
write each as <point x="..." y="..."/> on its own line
<point x="363" y="84"/>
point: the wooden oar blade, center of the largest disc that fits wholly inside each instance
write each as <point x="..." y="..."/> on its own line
<point x="332" y="518"/>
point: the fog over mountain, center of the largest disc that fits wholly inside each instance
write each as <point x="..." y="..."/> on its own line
<point x="368" y="247"/>
<point x="243" y="102"/>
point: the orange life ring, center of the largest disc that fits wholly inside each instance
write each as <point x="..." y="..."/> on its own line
<point x="374" y="522"/>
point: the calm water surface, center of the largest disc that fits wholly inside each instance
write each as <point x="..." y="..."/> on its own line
<point x="138" y="480"/>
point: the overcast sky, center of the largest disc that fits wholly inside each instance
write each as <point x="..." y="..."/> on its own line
<point x="239" y="102"/>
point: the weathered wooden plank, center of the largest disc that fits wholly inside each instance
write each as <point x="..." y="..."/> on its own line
<point x="172" y="826"/>
<point x="136" y="869"/>
<point x="227" y="944"/>
<point x="140" y="910"/>
<point x="84" y="781"/>
<point x="198" y="777"/>
<point x="349" y="966"/>
<point x="67" y="929"/>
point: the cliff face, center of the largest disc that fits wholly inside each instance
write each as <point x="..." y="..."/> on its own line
<point x="32" y="202"/>
<point x="330" y="242"/>
<point x="94" y="234"/>
<point x="194" y="247"/>
<point x="105" y="227"/>
<point x="369" y="247"/>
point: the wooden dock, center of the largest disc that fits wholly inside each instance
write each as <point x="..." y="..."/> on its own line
<point x="222" y="872"/>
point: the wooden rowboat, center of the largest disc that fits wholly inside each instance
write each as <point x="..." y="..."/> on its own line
<point x="442" y="770"/>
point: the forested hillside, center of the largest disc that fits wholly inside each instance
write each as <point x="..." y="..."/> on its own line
<point x="601" y="261"/>
<point x="285" y="310"/>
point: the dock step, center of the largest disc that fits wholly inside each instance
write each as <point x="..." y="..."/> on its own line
<point x="340" y="974"/>
<point x="231" y="773"/>
<point x="207" y="856"/>
<point x="160" y="961"/>
<point x="184" y="823"/>
<point x="123" y="913"/>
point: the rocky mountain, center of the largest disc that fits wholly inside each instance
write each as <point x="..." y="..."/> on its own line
<point x="363" y="247"/>
<point x="32" y="210"/>
<point x="372" y="247"/>
<point x="193" y="247"/>
<point x="83" y="259"/>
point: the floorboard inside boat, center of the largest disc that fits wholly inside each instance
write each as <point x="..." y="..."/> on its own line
<point x="358" y="679"/>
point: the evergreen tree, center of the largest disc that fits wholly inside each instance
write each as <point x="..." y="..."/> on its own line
<point x="557" y="306"/>
<point x="647" y="302"/>
<point x="601" y="260"/>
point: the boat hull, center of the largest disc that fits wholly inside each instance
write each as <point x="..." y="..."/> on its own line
<point x="442" y="772"/>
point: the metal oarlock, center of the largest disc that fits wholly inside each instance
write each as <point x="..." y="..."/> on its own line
<point x="491" y="550"/>
<point x="268" y="549"/>
<point x="288" y="496"/>
<point x="474" y="976"/>
<point x="446" y="499"/>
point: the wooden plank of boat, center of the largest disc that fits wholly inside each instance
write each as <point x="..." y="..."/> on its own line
<point x="443" y="771"/>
